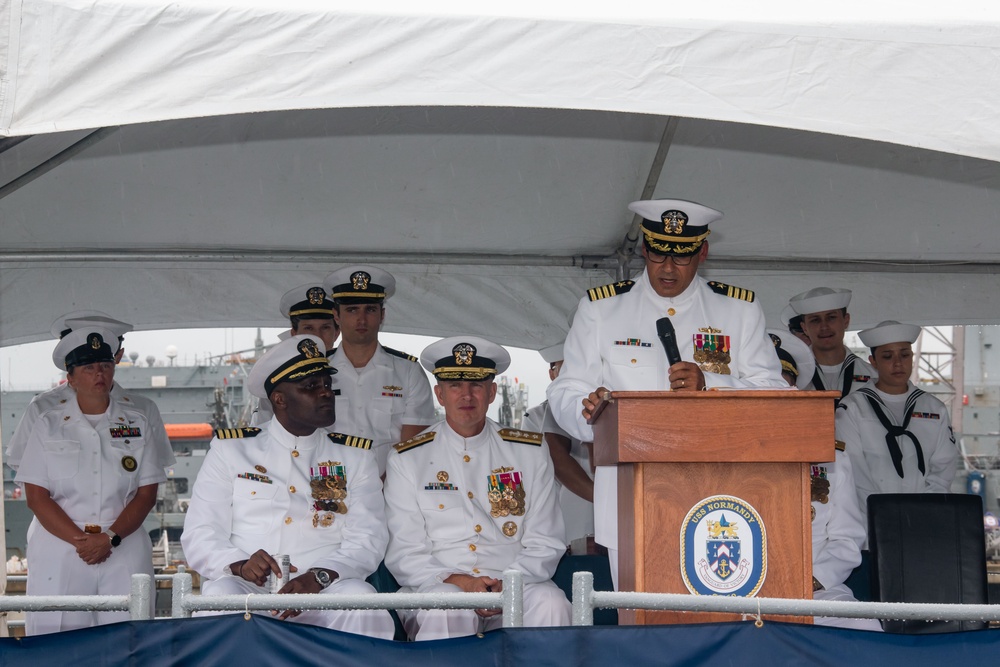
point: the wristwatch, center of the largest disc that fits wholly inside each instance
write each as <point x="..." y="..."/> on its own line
<point x="116" y="539"/>
<point x="323" y="577"/>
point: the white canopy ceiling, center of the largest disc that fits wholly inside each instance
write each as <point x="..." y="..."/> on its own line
<point x="183" y="164"/>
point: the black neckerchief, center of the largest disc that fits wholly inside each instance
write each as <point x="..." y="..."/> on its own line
<point x="892" y="431"/>
<point x="847" y="367"/>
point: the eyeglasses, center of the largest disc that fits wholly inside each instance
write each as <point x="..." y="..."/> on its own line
<point x="679" y="260"/>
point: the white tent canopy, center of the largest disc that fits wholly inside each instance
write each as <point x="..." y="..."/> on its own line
<point x="183" y="164"/>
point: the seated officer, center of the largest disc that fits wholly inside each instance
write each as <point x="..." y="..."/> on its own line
<point x="466" y="500"/>
<point x="291" y="487"/>
<point x="837" y="531"/>
<point x="309" y="311"/>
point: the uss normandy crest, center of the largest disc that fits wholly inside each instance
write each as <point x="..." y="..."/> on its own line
<point x="723" y="548"/>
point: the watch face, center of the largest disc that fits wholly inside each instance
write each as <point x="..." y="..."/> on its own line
<point x="323" y="577"/>
<point x="116" y="540"/>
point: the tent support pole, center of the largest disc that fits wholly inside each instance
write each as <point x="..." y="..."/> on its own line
<point x="59" y="158"/>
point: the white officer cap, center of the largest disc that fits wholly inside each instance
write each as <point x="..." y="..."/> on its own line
<point x="795" y="356"/>
<point x="285" y="335"/>
<point x="820" y="300"/>
<point x="86" y="318"/>
<point x="85" y="345"/>
<point x="464" y="358"/>
<point x="291" y="360"/>
<point x="887" y="332"/>
<point x="309" y="302"/>
<point x="674" y="226"/>
<point x="360" y="284"/>
<point x="552" y="353"/>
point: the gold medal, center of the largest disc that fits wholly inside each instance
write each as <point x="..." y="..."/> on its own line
<point x="260" y="469"/>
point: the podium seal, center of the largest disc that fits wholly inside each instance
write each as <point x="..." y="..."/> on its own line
<point x="723" y="548"/>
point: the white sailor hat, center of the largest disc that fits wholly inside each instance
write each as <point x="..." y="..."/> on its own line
<point x="285" y="335"/>
<point x="360" y="284"/>
<point x="84" y="318"/>
<point x="85" y="345"/>
<point x="552" y="353"/>
<point x="464" y="358"/>
<point x="309" y="302"/>
<point x="795" y="356"/>
<point x="820" y="300"/>
<point x="291" y="360"/>
<point x="674" y="226"/>
<point x="887" y="332"/>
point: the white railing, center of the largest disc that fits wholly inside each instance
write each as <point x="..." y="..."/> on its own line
<point x="586" y="599"/>
<point x="510" y="601"/>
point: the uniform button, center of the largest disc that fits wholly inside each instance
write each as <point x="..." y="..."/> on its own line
<point x="475" y="570"/>
<point x="466" y="458"/>
<point x="291" y="489"/>
<point x="253" y="493"/>
<point x="671" y="312"/>
<point x="440" y="507"/>
<point x="633" y="362"/>
<point x="470" y="494"/>
<point x="295" y="453"/>
<point x="478" y="528"/>
<point x="288" y="519"/>
<point x="472" y="547"/>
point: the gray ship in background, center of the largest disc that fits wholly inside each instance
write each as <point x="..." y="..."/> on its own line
<point x="193" y="401"/>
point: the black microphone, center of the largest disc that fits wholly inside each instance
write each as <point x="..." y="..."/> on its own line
<point x="665" y="330"/>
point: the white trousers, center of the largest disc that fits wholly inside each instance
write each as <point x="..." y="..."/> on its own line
<point x="843" y="594"/>
<point x="545" y="605"/>
<point x="56" y="569"/>
<point x="372" y="623"/>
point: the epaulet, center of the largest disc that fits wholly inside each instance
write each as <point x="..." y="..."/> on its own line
<point x="524" y="437"/>
<point x="614" y="289"/>
<point x="840" y="445"/>
<point x="415" y="441"/>
<point x="228" y="433"/>
<point x="350" y="440"/>
<point x="401" y="355"/>
<point x="731" y="291"/>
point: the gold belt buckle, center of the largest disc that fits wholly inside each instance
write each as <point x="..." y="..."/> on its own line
<point x="92" y="528"/>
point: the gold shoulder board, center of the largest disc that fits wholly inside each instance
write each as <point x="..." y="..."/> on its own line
<point x="228" y="433"/>
<point x="840" y="445"/>
<point x="401" y="355"/>
<point x="350" y="440"/>
<point x="414" y="442"/>
<point x="614" y="289"/>
<point x="525" y="437"/>
<point x="731" y="291"/>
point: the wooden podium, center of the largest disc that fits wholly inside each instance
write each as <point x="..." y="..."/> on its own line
<point x="674" y="449"/>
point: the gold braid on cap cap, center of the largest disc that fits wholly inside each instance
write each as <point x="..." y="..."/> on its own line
<point x="681" y="244"/>
<point x="463" y="373"/>
<point x="311" y="311"/>
<point x="789" y="367"/>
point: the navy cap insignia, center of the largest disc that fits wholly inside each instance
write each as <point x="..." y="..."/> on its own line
<point x="360" y="280"/>
<point x="723" y="548"/>
<point x="95" y="341"/>
<point x="309" y="349"/>
<point x="464" y="352"/>
<point x="674" y="221"/>
<point x="316" y="295"/>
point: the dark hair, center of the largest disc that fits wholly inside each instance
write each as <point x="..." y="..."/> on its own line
<point x="795" y="324"/>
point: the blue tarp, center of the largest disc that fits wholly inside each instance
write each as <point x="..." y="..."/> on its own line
<point x="231" y="640"/>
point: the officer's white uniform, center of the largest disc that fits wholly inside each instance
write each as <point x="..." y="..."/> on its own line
<point x="613" y="343"/>
<point x="874" y="472"/>
<point x="254" y="493"/>
<point x="376" y="401"/>
<point x="578" y="514"/>
<point x="837" y="536"/>
<point x="534" y="418"/>
<point x="440" y="523"/>
<point x="83" y="466"/>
